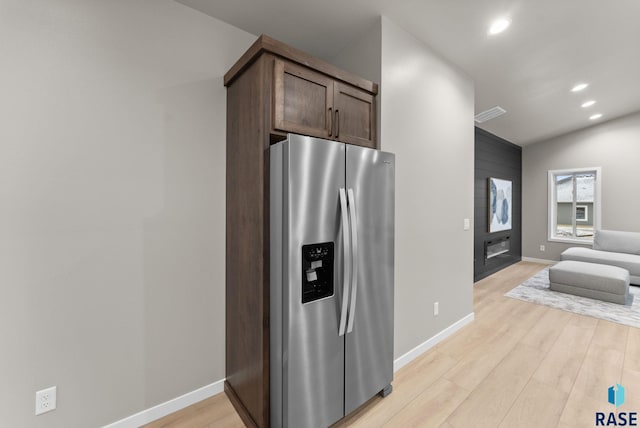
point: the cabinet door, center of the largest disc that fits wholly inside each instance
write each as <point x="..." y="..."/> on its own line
<point x="354" y="116"/>
<point x="302" y="100"/>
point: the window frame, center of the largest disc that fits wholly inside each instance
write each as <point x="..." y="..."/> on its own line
<point x="552" y="204"/>
<point x="585" y="219"/>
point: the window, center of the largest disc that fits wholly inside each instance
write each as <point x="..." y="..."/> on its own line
<point x="574" y="204"/>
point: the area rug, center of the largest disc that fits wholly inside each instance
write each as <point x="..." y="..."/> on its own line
<point x="536" y="290"/>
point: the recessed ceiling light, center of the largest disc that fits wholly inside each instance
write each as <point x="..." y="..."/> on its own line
<point x="595" y="116"/>
<point x="499" y="25"/>
<point x="579" y="87"/>
<point x="588" y="103"/>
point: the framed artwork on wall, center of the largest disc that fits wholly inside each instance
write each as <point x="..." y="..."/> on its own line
<point x="500" y="204"/>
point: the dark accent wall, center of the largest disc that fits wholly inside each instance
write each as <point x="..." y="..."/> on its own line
<point x="498" y="158"/>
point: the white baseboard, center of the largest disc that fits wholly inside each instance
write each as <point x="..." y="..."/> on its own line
<point x="186" y="400"/>
<point x="168" y="407"/>
<point x="534" y="260"/>
<point x="430" y="343"/>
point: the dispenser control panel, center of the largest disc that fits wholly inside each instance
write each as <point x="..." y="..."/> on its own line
<point x="317" y="271"/>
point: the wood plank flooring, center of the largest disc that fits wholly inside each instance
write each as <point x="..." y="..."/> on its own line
<point x="517" y="365"/>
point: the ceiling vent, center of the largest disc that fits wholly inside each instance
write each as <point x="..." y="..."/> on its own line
<point x="489" y="114"/>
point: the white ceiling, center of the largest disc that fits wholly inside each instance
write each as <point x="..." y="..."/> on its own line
<point x="528" y="70"/>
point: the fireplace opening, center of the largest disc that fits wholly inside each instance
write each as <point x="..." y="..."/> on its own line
<point x="496" y="247"/>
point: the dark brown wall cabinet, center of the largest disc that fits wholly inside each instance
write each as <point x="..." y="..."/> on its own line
<point x="271" y="90"/>
<point x="311" y="103"/>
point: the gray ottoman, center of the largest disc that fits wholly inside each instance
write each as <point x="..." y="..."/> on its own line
<point x="596" y="281"/>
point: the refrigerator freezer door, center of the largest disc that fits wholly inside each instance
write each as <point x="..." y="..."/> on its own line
<point x="312" y="350"/>
<point x="369" y="347"/>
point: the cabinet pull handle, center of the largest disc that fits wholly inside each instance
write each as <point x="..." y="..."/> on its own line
<point x="337" y="123"/>
<point x="330" y="122"/>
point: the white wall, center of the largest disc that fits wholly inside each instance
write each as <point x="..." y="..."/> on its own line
<point x="427" y="120"/>
<point x="611" y="145"/>
<point x="112" y="166"/>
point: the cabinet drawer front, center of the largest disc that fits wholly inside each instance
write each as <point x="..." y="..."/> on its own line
<point x="355" y="116"/>
<point x="302" y="99"/>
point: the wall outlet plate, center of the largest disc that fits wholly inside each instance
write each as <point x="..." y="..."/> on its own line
<point x="46" y="400"/>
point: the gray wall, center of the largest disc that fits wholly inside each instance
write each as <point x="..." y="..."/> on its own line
<point x="497" y="158"/>
<point x="112" y="157"/>
<point x="565" y="213"/>
<point x="426" y="111"/>
<point x="427" y="121"/>
<point x="611" y="145"/>
<point x="112" y="166"/>
<point x="363" y="56"/>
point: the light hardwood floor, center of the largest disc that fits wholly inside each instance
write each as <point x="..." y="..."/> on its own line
<point x="517" y="365"/>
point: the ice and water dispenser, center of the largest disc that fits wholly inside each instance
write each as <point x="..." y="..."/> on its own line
<point x="317" y="271"/>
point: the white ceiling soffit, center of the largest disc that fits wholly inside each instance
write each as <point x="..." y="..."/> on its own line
<point x="529" y="69"/>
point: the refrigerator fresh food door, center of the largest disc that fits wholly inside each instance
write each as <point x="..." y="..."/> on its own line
<point x="369" y="340"/>
<point x="311" y="352"/>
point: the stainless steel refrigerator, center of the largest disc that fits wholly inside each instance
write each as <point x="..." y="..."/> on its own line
<point x="331" y="276"/>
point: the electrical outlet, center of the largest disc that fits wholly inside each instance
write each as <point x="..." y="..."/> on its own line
<point x="436" y="309"/>
<point x="45" y="400"/>
<point x="466" y="224"/>
<point x="542" y="248"/>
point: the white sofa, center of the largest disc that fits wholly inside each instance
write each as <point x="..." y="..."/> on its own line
<point x="613" y="248"/>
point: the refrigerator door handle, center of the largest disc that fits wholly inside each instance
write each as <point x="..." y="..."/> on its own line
<point x="354" y="263"/>
<point x="347" y="265"/>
